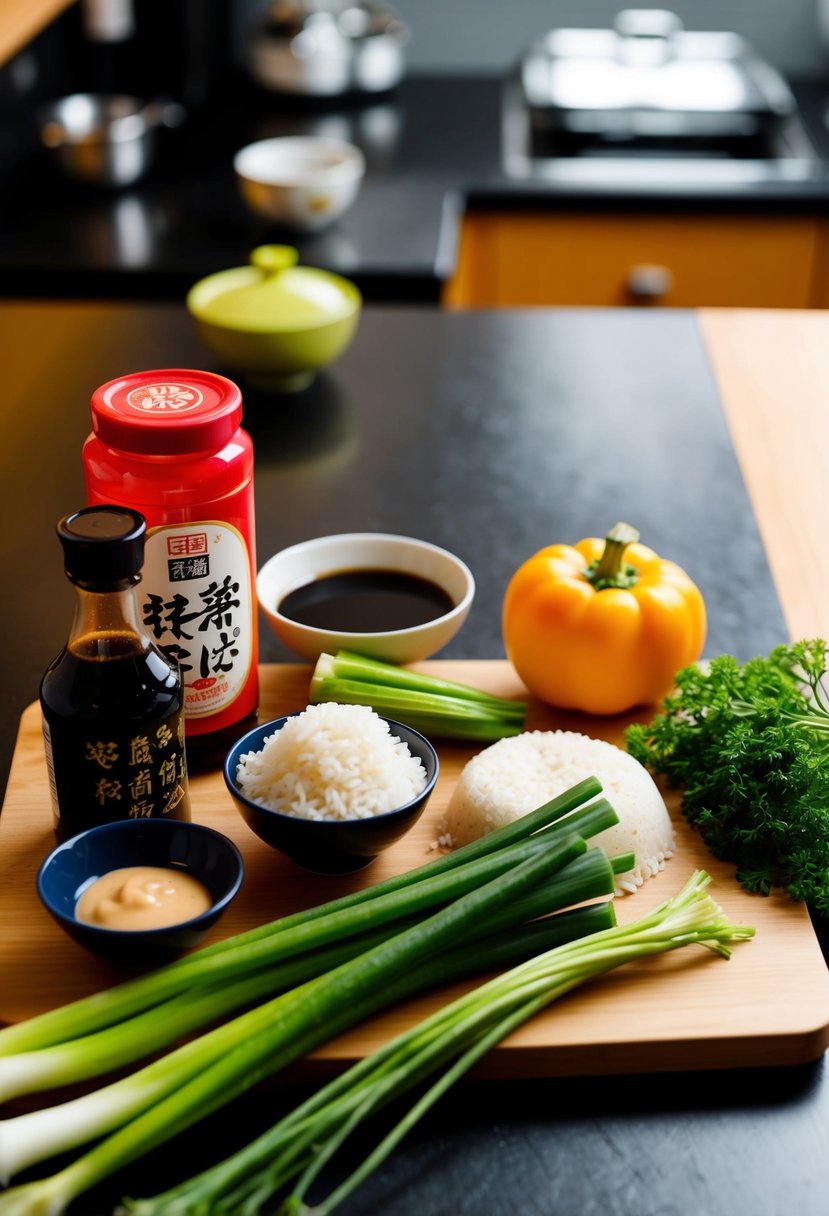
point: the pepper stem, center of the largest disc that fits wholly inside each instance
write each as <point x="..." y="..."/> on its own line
<point x="611" y="570"/>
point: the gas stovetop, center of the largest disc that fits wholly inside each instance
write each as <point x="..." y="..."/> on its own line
<point x="532" y="149"/>
<point x="650" y="101"/>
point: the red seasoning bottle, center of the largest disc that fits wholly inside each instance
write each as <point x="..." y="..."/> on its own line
<point x="169" y="444"/>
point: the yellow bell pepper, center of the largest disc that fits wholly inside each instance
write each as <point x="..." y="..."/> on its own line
<point x="601" y="626"/>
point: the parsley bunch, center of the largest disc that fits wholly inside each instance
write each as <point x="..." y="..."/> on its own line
<point x="749" y="747"/>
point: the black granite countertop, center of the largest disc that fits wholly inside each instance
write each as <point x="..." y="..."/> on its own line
<point x="489" y="433"/>
<point x="433" y="147"/>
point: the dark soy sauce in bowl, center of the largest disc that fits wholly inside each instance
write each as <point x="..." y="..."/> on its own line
<point x="366" y="601"/>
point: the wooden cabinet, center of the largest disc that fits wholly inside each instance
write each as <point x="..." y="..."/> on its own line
<point x="674" y="260"/>
<point x="22" y="20"/>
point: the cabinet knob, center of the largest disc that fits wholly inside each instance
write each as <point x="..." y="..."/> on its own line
<point x="646" y="284"/>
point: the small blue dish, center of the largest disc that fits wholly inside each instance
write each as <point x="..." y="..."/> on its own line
<point x="330" y="846"/>
<point x="72" y="866"/>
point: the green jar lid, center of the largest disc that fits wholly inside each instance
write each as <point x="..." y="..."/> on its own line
<point x="273" y="293"/>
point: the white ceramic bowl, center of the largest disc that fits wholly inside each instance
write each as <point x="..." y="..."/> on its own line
<point x="302" y="181"/>
<point x="302" y="563"/>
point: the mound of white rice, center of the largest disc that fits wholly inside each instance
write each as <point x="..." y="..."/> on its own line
<point x="518" y="774"/>
<point x="332" y="762"/>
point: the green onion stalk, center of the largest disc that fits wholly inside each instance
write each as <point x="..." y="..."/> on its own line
<point x="436" y="1053"/>
<point x="294" y="934"/>
<point x="83" y="1039"/>
<point x="145" y="1108"/>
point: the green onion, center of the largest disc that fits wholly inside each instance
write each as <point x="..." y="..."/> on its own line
<point x="139" y="1036"/>
<point x="623" y="863"/>
<point x="588" y="877"/>
<point x="502" y="950"/>
<point x="296" y="1149"/>
<point x="298" y="933"/>
<point x="203" y="1075"/>
<point x="365" y="950"/>
<point x="431" y="705"/>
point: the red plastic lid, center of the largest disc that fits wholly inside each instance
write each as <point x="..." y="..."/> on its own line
<point x="167" y="412"/>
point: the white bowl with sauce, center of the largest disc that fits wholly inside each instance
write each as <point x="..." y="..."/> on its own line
<point x="389" y="597"/>
<point x="129" y="932"/>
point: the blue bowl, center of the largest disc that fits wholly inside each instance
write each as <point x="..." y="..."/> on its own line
<point x="200" y="851"/>
<point x="331" y="846"/>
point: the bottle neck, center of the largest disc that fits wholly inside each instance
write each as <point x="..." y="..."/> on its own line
<point x="107" y="624"/>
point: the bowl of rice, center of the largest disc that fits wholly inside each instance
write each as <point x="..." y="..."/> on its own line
<point x="331" y="786"/>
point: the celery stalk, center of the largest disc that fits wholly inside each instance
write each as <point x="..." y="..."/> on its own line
<point x="426" y="703"/>
<point x="447" y="717"/>
<point x="346" y="665"/>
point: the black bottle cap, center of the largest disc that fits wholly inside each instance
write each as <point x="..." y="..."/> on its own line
<point x="103" y="547"/>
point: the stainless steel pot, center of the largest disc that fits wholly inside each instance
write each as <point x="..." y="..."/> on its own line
<point x="105" y="139"/>
<point x="325" y="48"/>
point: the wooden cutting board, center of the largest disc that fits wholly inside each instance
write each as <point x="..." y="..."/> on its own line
<point x="769" y="1004"/>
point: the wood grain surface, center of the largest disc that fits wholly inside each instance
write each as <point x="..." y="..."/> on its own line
<point x="772" y="373"/>
<point x="768" y="1005"/>
<point x="22" y="20"/>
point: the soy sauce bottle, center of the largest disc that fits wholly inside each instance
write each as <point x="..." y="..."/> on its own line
<point x="111" y="701"/>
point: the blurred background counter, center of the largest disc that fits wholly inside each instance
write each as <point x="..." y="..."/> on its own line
<point x="444" y="214"/>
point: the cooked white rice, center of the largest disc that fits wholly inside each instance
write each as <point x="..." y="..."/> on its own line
<point x="518" y="774"/>
<point x="332" y="762"/>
